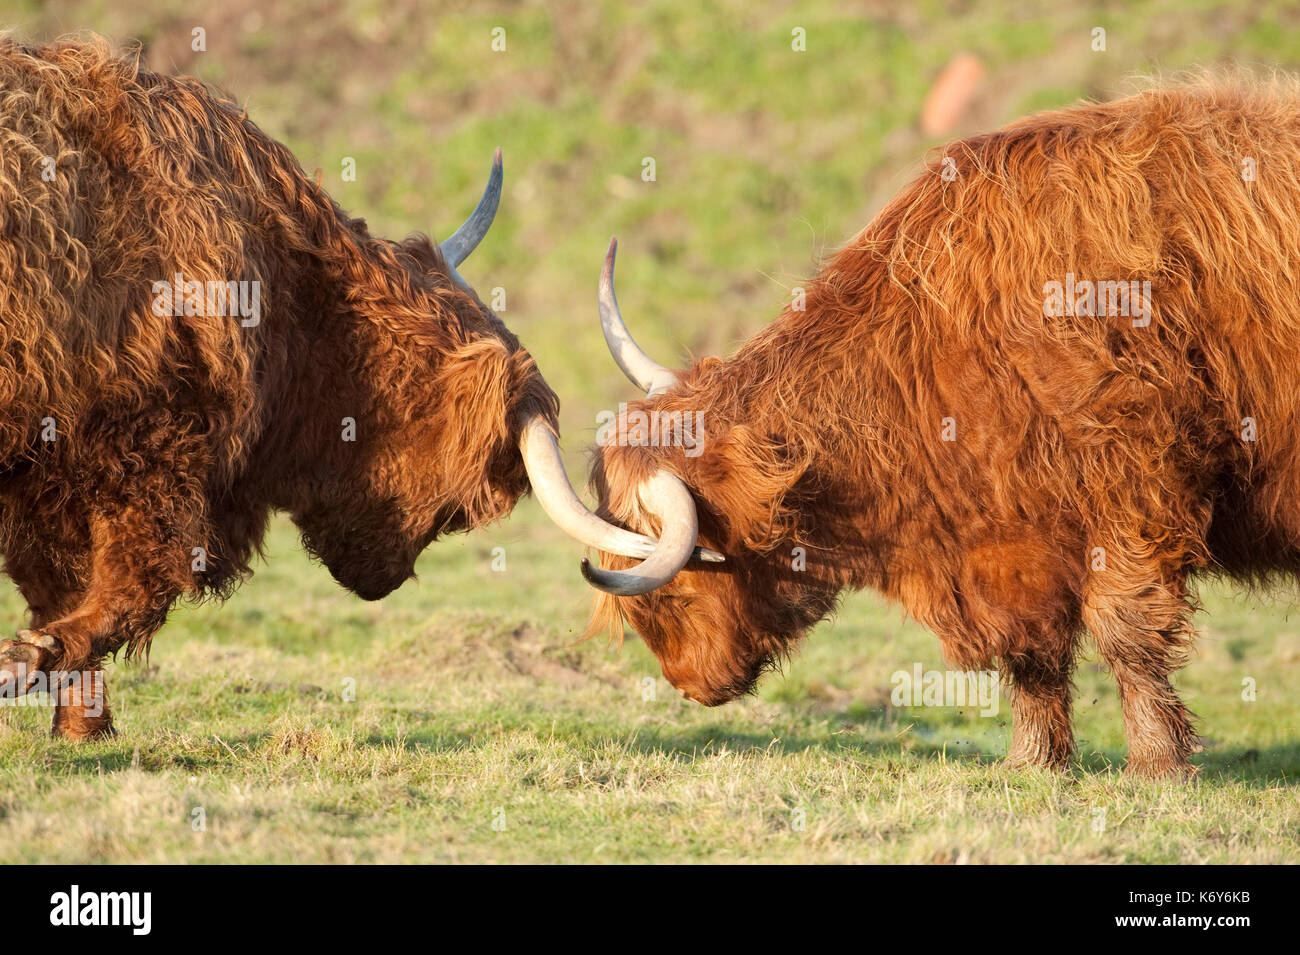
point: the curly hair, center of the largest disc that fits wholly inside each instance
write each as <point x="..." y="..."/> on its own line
<point x="1013" y="473"/>
<point x="142" y="448"/>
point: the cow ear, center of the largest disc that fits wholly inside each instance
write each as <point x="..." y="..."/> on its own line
<point x="750" y="483"/>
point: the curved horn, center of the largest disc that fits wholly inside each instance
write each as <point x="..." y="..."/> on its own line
<point x="541" y="454"/>
<point x="667" y="496"/>
<point x="642" y="370"/>
<point x="463" y="241"/>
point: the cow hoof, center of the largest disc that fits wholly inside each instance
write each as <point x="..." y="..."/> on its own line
<point x="1046" y="758"/>
<point x="82" y="713"/>
<point x="1022" y="764"/>
<point x="24" y="657"/>
<point x="78" y="729"/>
<point x="1172" y="770"/>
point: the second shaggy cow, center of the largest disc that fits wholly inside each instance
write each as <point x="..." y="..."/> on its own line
<point x="1054" y="379"/>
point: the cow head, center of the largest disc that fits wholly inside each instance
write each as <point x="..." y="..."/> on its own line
<point x="438" y="395"/>
<point x="689" y="470"/>
<point x="453" y="422"/>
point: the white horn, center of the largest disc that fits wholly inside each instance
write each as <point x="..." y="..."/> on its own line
<point x="666" y="496"/>
<point x="541" y="454"/>
<point x="642" y="370"/>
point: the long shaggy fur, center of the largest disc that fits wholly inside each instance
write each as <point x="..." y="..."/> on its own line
<point x="1095" y="466"/>
<point x="178" y="433"/>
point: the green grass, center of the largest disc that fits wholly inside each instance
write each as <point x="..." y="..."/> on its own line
<point x="473" y="699"/>
<point x="473" y="702"/>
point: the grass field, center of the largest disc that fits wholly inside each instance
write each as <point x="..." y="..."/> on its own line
<point x="461" y="719"/>
<point x="473" y="706"/>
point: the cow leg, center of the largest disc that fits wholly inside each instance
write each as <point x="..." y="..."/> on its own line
<point x="137" y="570"/>
<point x="1040" y="691"/>
<point x="52" y="590"/>
<point x="1143" y="633"/>
<point x="81" y="711"/>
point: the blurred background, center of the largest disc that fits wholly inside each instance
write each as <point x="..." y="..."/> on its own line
<point x="766" y="157"/>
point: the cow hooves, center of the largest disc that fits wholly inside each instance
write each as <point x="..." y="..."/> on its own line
<point x="23" y="658"/>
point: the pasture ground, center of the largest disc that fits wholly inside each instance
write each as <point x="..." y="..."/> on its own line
<point x="481" y="730"/>
<point x="464" y="719"/>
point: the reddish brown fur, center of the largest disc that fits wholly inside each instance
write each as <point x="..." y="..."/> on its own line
<point x="1073" y="433"/>
<point x="177" y="433"/>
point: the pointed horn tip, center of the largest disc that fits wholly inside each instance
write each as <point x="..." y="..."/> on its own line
<point x="496" y="157"/>
<point x="607" y="272"/>
<point x="703" y="554"/>
<point x="615" y="585"/>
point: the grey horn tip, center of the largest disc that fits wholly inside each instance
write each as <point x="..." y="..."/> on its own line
<point x="465" y="240"/>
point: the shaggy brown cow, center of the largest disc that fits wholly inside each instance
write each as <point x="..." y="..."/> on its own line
<point x="148" y="425"/>
<point x="985" y="413"/>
